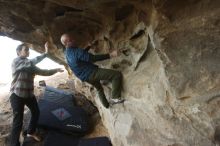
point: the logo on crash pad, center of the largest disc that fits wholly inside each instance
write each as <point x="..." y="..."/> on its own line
<point x="61" y="114"/>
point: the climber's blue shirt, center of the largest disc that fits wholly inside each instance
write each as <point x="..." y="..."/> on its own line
<point x="79" y="62"/>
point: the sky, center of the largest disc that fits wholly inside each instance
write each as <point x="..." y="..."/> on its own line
<point x="8" y="53"/>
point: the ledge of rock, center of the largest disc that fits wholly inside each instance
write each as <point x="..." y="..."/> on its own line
<point x="169" y="59"/>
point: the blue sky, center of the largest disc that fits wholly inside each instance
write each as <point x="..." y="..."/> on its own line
<point x="8" y="53"/>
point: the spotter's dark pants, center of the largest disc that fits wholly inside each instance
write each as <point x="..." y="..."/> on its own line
<point x="17" y="104"/>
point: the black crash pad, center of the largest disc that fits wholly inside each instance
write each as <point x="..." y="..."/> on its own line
<point x="58" y="112"/>
<point x="66" y="119"/>
<point x="97" y="141"/>
<point x="59" y="139"/>
<point x="58" y="96"/>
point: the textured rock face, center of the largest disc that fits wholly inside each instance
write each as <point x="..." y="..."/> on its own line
<point x="170" y="61"/>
